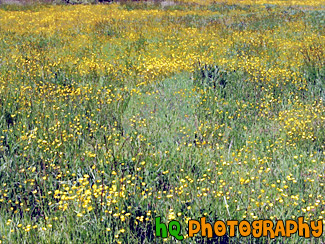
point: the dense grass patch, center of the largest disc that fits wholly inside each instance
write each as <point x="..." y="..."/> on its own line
<point x="112" y="115"/>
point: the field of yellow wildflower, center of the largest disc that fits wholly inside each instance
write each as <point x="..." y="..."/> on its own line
<point x="114" y="114"/>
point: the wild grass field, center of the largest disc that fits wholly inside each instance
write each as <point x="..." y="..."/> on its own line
<point x="114" y="114"/>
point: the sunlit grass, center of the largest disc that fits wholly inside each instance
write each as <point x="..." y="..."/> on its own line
<point x="114" y="114"/>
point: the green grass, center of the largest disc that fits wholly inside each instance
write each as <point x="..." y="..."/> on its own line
<point x="223" y="141"/>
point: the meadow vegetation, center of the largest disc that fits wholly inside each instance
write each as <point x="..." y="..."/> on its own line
<point x="114" y="114"/>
